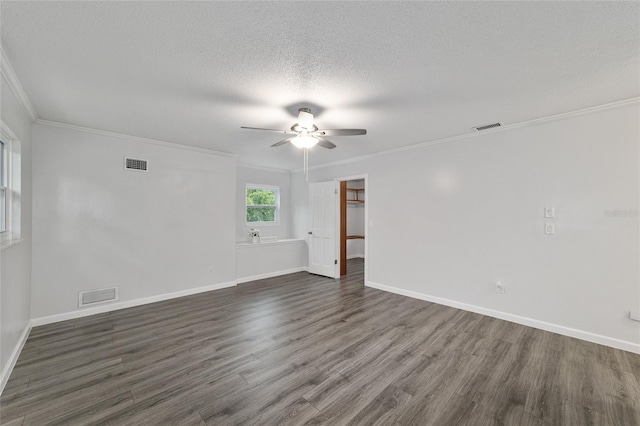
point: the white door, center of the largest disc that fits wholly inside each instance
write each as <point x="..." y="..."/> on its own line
<point x="323" y="256"/>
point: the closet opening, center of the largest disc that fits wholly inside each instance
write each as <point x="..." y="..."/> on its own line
<point x="352" y="221"/>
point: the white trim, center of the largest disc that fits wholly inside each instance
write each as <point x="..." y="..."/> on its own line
<point x="263" y="168"/>
<point x="127" y="304"/>
<point x="16" y="87"/>
<point x="272" y="274"/>
<point x="473" y="134"/>
<point x="13" y="358"/>
<point x="530" y="322"/>
<point x="355" y="256"/>
<point x="135" y="138"/>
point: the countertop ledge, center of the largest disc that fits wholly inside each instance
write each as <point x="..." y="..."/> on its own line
<point x="10" y="243"/>
<point x="246" y="244"/>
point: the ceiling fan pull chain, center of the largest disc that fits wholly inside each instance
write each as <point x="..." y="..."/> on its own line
<point x="306" y="164"/>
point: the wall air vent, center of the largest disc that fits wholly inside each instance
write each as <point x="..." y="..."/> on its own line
<point x="135" y="164"/>
<point x="487" y="127"/>
<point x="93" y="297"/>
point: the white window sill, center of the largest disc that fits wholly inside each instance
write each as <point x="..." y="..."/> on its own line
<point x="9" y="241"/>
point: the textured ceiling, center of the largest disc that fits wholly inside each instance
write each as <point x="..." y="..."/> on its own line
<point x="410" y="72"/>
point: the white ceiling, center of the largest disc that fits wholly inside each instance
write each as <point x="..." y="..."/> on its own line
<point x="410" y="72"/>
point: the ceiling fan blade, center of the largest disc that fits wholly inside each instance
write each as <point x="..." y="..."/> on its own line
<point x="286" y="132"/>
<point x="282" y="142"/>
<point x="341" y="132"/>
<point x="325" y="143"/>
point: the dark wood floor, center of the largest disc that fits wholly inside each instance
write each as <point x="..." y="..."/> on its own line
<point x="302" y="349"/>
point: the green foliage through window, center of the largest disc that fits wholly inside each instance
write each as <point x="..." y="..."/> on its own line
<point x="261" y="205"/>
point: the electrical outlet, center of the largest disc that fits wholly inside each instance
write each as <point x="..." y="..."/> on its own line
<point x="549" y="228"/>
<point x="500" y="288"/>
<point x="549" y="212"/>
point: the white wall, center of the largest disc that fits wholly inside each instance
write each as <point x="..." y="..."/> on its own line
<point x="15" y="261"/>
<point x="447" y="221"/>
<point x="96" y="225"/>
<point x="260" y="176"/>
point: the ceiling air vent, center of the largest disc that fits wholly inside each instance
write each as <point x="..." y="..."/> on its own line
<point x="92" y="297"/>
<point x="487" y="127"/>
<point x="135" y="164"/>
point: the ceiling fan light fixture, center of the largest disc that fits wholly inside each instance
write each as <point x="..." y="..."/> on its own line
<point x="303" y="140"/>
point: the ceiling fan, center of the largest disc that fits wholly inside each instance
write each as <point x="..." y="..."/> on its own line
<point x="307" y="135"/>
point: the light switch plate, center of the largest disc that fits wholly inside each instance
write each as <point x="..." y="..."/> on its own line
<point x="550" y="212"/>
<point x="549" y="228"/>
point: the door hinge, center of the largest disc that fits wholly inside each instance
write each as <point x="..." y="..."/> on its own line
<point x="335" y="262"/>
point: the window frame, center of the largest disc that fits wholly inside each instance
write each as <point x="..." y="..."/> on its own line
<point x="274" y="188"/>
<point x="12" y="206"/>
<point x="4" y="174"/>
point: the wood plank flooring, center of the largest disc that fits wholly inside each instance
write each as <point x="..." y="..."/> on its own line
<point x="302" y="349"/>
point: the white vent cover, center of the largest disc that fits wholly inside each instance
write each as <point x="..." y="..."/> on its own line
<point x="487" y="127"/>
<point x="92" y="297"/>
<point x="135" y="164"/>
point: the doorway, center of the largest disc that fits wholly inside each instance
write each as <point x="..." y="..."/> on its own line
<point x="331" y="238"/>
<point x="353" y="220"/>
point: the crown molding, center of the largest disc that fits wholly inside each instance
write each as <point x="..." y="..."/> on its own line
<point x="505" y="128"/>
<point x="263" y="168"/>
<point x="134" y="138"/>
<point x="12" y="80"/>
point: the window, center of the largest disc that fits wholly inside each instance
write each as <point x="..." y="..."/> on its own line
<point x="262" y="204"/>
<point x="3" y="188"/>
<point x="10" y="180"/>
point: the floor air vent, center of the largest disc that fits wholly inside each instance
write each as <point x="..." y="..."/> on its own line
<point x="487" y="127"/>
<point x="135" y="164"/>
<point x="92" y="297"/>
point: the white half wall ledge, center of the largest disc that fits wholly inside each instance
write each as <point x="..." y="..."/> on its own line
<point x="13" y="358"/>
<point x="35" y="322"/>
<point x="272" y="274"/>
<point x="530" y="322"/>
<point x="248" y="244"/>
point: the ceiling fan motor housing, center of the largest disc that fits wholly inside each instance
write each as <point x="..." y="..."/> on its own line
<point x="298" y="128"/>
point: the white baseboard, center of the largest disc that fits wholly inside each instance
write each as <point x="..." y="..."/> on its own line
<point x="13" y="358"/>
<point x="271" y="274"/>
<point x="554" y="328"/>
<point x="127" y="304"/>
<point x="355" y="256"/>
